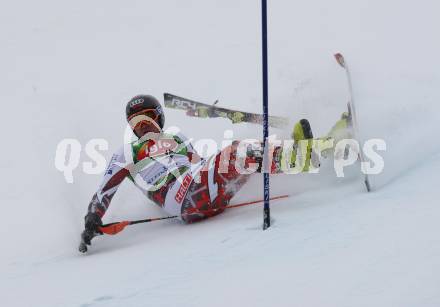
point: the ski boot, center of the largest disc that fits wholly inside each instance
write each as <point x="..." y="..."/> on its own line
<point x="285" y="159"/>
<point x="342" y="129"/>
<point x="303" y="132"/>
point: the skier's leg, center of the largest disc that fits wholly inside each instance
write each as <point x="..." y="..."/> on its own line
<point x="302" y="132"/>
<point x="219" y="182"/>
<point x="341" y="129"/>
<point x="282" y="157"/>
<point x="321" y="146"/>
<point x="299" y="155"/>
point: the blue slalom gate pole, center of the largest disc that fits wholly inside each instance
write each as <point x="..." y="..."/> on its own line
<point x="266" y="167"/>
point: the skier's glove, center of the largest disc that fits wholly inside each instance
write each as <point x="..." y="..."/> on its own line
<point x="92" y="222"/>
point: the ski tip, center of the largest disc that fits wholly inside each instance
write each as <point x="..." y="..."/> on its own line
<point x="340" y="59"/>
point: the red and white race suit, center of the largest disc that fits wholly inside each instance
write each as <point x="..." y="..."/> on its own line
<point x="169" y="172"/>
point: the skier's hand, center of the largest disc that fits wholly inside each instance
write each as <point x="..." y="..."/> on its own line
<point x="92" y="222"/>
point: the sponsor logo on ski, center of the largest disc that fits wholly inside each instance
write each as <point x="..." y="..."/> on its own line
<point x="183" y="104"/>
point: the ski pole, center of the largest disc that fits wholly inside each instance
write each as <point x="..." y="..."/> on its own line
<point x="117" y="227"/>
<point x="255" y="202"/>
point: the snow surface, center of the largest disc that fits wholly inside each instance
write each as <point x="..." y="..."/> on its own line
<point x="69" y="68"/>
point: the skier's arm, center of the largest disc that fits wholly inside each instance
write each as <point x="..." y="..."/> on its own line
<point x="113" y="177"/>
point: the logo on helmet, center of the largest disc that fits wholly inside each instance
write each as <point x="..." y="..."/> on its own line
<point x="136" y="102"/>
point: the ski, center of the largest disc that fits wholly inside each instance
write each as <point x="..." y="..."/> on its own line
<point x="202" y="110"/>
<point x="352" y="113"/>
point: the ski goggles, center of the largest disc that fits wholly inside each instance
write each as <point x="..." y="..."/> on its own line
<point x="147" y="115"/>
